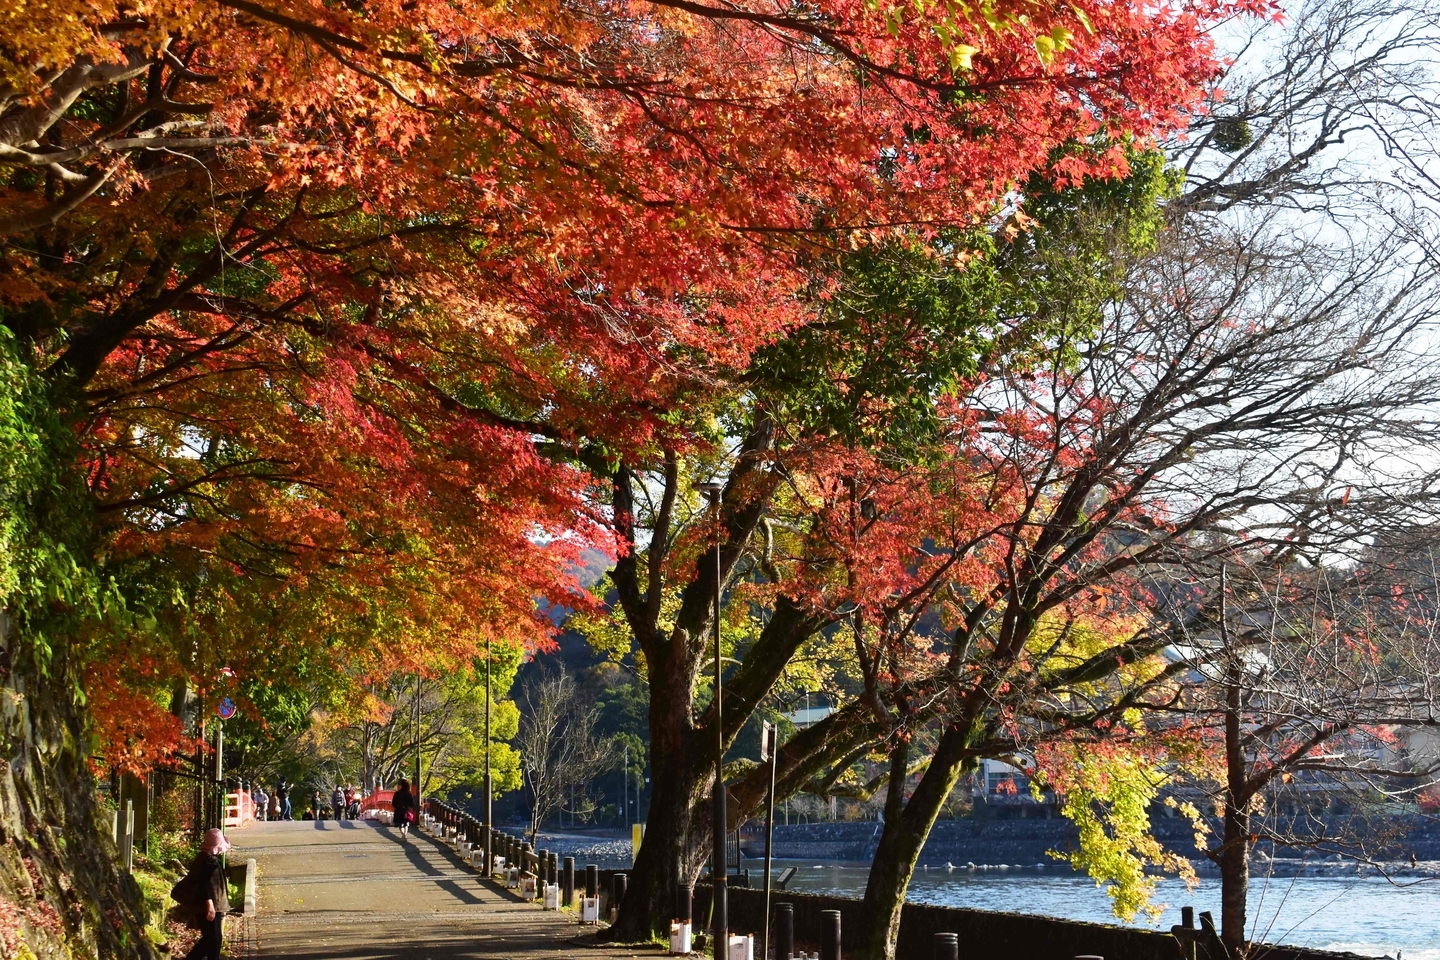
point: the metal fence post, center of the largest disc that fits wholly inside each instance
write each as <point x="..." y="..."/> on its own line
<point x="829" y="935"/>
<point x="782" y="927"/>
<point x="618" y="883"/>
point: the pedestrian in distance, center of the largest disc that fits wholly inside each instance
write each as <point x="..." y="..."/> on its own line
<point x="272" y="812"/>
<point x="205" y="891"/>
<point x="315" y="805"/>
<point x="262" y="801"/>
<point x="282" y="790"/>
<point x="403" y="803"/>
<point x="337" y="802"/>
<point x="352" y="803"/>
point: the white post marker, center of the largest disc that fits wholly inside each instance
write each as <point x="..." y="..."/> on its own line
<point x="741" y="947"/>
<point x="680" y="938"/>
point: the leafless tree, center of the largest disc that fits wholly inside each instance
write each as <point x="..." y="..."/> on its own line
<point x="441" y="717"/>
<point x="1308" y="679"/>
<point x="1252" y="388"/>
<point x="1331" y="111"/>
<point x="560" y="753"/>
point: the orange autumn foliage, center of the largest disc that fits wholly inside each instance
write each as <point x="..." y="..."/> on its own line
<point x="336" y="294"/>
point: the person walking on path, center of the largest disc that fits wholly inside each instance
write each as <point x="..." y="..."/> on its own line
<point x="262" y="801"/>
<point x="207" y="872"/>
<point x="337" y="803"/>
<point x="403" y="803"/>
<point x="282" y="793"/>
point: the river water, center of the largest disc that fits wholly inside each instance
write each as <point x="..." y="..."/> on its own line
<point x="1369" y="916"/>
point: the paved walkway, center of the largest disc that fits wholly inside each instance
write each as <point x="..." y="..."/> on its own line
<point x="354" y="890"/>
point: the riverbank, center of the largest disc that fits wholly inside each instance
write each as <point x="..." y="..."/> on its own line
<point x="1367" y="916"/>
<point x="1316" y="905"/>
<point x="1408" y="849"/>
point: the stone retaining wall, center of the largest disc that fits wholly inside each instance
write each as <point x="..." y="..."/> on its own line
<point x="1029" y="841"/>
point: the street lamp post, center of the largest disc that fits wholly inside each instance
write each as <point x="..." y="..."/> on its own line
<point x="719" y="867"/>
<point x="489" y="785"/>
<point x="769" y="751"/>
<point x="416" y="791"/>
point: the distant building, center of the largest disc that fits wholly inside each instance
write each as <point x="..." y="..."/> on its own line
<point x="809" y="716"/>
<point x="1006" y="786"/>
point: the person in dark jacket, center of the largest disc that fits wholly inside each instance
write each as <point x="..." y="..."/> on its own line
<point x="211" y="871"/>
<point x="403" y="803"/>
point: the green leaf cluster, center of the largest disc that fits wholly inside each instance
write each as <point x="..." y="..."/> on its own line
<point x="50" y="585"/>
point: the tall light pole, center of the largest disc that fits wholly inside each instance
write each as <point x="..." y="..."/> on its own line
<point x="489" y="785"/>
<point x="416" y="791"/>
<point x="719" y="868"/>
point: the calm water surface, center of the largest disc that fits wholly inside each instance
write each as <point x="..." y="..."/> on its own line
<point x="1369" y="916"/>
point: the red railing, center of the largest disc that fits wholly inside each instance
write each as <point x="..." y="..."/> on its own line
<point x="239" y="808"/>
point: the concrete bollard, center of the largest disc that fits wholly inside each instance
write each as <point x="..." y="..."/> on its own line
<point x="567" y="882"/>
<point x="592" y="880"/>
<point x="947" y="946"/>
<point x="829" y="935"/>
<point x="782" y="930"/>
<point x="684" y="904"/>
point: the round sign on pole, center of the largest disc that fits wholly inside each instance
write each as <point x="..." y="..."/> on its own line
<point x="225" y="709"/>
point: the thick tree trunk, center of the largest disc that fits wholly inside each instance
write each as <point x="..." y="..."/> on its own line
<point x="670" y="854"/>
<point x="1235" y="878"/>
<point x="1235" y="844"/>
<point x="58" y="878"/>
<point x="894" y="862"/>
<point x="906" y="829"/>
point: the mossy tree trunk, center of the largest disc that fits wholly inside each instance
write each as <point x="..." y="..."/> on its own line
<point x="61" y="892"/>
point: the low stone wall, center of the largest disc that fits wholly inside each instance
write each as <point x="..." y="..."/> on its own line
<point x="983" y="933"/>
